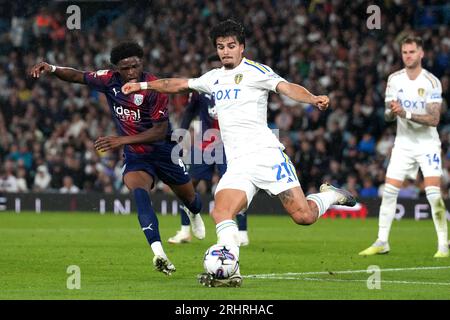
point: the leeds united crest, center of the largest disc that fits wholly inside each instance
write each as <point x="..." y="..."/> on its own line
<point x="238" y="78"/>
<point x="421" y="92"/>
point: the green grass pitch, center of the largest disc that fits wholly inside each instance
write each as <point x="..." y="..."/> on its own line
<point x="283" y="260"/>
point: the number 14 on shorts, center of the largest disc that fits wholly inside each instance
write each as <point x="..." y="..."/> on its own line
<point x="433" y="158"/>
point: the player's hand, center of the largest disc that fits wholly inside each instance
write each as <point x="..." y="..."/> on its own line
<point x="397" y="109"/>
<point x="40" y="68"/>
<point x="321" y="102"/>
<point x="104" y="144"/>
<point x="131" y="87"/>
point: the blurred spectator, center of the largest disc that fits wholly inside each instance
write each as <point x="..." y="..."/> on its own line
<point x="409" y="190"/>
<point x="22" y="185"/>
<point x="42" y="179"/>
<point x="368" y="190"/>
<point x="68" y="186"/>
<point x="8" y="181"/>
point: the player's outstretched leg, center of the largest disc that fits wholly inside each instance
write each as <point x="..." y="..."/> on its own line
<point x="184" y="234"/>
<point x="241" y="219"/>
<point x="307" y="210"/>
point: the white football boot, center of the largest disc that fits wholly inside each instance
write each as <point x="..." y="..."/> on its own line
<point x="197" y="225"/>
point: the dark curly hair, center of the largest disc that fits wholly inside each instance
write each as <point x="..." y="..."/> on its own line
<point x="125" y="50"/>
<point x="228" y="28"/>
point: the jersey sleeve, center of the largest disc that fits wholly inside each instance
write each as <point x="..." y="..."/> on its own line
<point x="264" y="77"/>
<point x="160" y="111"/>
<point x="98" y="80"/>
<point x="204" y="83"/>
<point x="434" y="95"/>
<point x="391" y="91"/>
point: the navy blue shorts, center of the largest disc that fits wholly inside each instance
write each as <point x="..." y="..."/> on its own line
<point x="158" y="164"/>
<point x="204" y="171"/>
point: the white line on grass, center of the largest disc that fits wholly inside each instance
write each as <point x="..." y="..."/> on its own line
<point x="287" y="274"/>
<point x="383" y="281"/>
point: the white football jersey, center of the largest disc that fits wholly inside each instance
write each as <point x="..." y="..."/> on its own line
<point x="413" y="96"/>
<point x="241" y="97"/>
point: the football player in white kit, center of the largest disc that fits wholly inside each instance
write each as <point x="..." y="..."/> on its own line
<point x="413" y="97"/>
<point x="255" y="157"/>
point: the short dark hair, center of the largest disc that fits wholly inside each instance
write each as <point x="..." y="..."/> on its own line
<point x="412" y="39"/>
<point x="228" y="28"/>
<point x="125" y="50"/>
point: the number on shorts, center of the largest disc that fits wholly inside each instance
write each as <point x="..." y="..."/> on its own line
<point x="181" y="164"/>
<point x="435" y="158"/>
<point x="286" y="168"/>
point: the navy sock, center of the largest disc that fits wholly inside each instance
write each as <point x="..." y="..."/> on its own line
<point x="146" y="215"/>
<point x="185" y="221"/>
<point x="196" y="205"/>
<point x="241" y="221"/>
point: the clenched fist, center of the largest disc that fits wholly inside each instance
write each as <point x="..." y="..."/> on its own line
<point x="131" y="87"/>
<point x="321" y="102"/>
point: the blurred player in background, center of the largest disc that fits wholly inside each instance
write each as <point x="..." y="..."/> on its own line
<point x="255" y="157"/>
<point x="413" y="97"/>
<point x="202" y="105"/>
<point x="142" y="121"/>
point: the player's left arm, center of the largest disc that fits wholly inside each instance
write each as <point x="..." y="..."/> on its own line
<point x="301" y="94"/>
<point x="431" y="118"/>
<point x="154" y="134"/>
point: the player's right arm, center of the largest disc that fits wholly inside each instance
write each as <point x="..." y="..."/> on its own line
<point x="63" y="73"/>
<point x="167" y="85"/>
<point x="390" y="100"/>
<point x="173" y="85"/>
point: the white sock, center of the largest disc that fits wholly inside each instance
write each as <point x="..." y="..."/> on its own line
<point x="323" y="200"/>
<point x="387" y="211"/>
<point x="157" y="249"/>
<point x="227" y="233"/>
<point x="438" y="212"/>
<point x="186" y="229"/>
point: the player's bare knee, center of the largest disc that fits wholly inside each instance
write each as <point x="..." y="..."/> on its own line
<point x="304" y="216"/>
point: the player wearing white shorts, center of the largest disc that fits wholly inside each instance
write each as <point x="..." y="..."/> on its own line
<point x="413" y="97"/>
<point x="255" y="157"/>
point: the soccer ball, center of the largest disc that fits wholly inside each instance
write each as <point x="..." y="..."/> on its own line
<point x="221" y="261"/>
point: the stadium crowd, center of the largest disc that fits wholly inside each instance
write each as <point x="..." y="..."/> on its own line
<point x="47" y="128"/>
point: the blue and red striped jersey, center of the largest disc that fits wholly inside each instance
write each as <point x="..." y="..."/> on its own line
<point x="133" y="113"/>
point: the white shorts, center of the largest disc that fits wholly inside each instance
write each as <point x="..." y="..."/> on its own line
<point x="268" y="169"/>
<point x="405" y="163"/>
